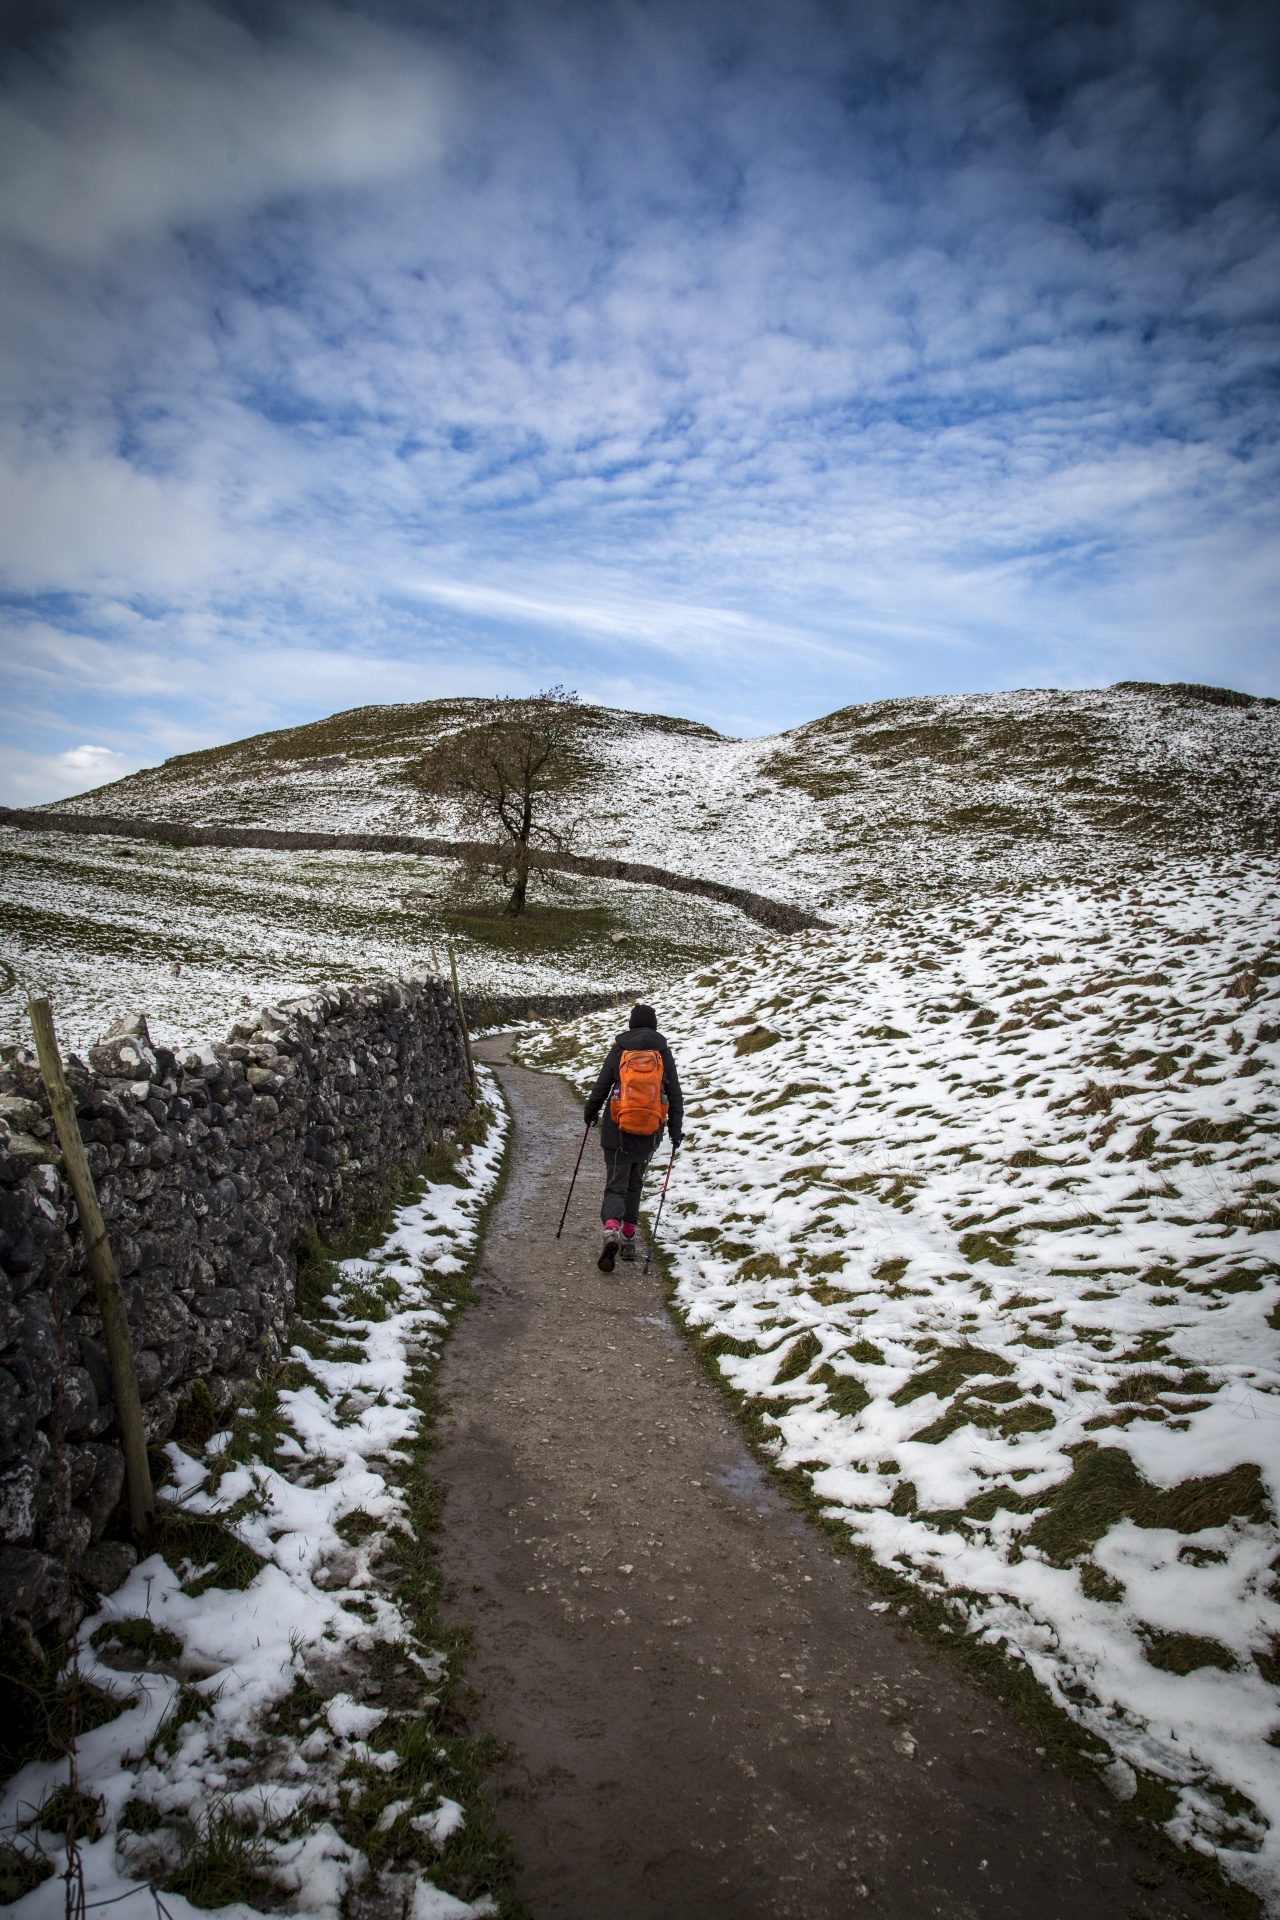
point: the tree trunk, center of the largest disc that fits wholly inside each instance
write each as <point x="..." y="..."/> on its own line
<point x="520" y="885"/>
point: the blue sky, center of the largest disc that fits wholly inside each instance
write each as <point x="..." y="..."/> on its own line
<point x="734" y="360"/>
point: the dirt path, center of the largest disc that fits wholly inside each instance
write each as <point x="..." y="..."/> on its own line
<point x="708" y="1719"/>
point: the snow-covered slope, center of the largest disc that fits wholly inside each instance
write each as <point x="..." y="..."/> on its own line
<point x="980" y="1202"/>
<point x="939" y="792"/>
<point x="195" y="937"/>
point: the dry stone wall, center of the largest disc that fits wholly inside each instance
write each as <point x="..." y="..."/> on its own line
<point x="774" y="914"/>
<point x="210" y="1167"/>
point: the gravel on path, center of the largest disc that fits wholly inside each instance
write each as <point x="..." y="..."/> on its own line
<point x="705" y="1717"/>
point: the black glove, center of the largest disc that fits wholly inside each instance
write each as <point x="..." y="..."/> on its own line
<point x="676" y="1139"/>
<point x="589" y="1116"/>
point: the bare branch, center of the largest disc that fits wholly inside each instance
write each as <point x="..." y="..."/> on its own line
<point x="503" y="775"/>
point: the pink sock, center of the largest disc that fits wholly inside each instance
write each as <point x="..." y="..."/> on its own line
<point x="611" y="1226"/>
<point x="628" y="1230"/>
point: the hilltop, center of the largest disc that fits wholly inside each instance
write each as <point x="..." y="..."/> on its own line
<point x="945" y="791"/>
<point x="877" y="806"/>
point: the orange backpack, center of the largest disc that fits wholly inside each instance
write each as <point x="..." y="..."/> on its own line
<point x="638" y="1105"/>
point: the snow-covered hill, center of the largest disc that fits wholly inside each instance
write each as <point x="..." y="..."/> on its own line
<point x="196" y="937"/>
<point x="980" y="1206"/>
<point x="934" y="792"/>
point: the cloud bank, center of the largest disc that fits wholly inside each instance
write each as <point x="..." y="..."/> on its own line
<point x="740" y="361"/>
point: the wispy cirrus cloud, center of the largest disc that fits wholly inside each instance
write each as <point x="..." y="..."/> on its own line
<point x="743" y="362"/>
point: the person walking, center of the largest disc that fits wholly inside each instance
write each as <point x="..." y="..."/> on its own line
<point x="638" y="1093"/>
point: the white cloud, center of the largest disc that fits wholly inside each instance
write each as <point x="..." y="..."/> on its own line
<point x="608" y="615"/>
<point x="34" y="779"/>
<point x="80" y="519"/>
<point x="88" y="759"/>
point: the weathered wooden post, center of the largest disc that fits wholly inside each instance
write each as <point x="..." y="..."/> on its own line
<point x="102" y="1265"/>
<point x="466" y="1036"/>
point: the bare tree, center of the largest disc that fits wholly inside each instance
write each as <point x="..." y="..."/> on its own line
<point x="504" y="772"/>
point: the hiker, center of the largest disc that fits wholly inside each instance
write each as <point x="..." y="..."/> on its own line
<point x="640" y="1083"/>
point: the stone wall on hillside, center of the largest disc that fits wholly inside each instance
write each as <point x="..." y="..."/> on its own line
<point x="210" y="1167"/>
<point x="777" y="915"/>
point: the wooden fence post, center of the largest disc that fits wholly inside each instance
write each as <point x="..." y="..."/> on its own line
<point x="466" y="1037"/>
<point x="106" y="1280"/>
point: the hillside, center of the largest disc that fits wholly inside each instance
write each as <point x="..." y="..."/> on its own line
<point x="901" y="799"/>
<point x="944" y="792"/>
<point x="197" y="937"/>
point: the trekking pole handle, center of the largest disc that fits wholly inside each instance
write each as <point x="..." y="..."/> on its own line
<point x="573" y="1183"/>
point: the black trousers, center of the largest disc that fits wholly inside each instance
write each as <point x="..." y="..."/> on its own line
<point x="624" y="1169"/>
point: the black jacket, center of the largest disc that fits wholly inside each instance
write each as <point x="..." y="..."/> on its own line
<point x="636" y="1040"/>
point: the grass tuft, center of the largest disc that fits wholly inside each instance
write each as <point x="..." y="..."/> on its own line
<point x="188" y="1704"/>
<point x="190" y="1540"/>
<point x="137" y="1636"/>
<point x="1105" y="1486"/>
<point x="197" y="1418"/>
<point x="755" y="1040"/>
<point x="949" y="1371"/>
<point x="799" y="1360"/>
<point x="1187" y="1653"/>
<point x="226" y="1863"/>
<point x="20" y="1872"/>
<point x="45" y="1703"/>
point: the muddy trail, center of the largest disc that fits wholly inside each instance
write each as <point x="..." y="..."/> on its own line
<point x="705" y="1717"/>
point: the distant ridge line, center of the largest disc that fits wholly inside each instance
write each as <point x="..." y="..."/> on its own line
<point x="774" y="914"/>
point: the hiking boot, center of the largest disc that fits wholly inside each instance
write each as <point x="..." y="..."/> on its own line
<point x="612" y="1241"/>
<point x="630" y="1242"/>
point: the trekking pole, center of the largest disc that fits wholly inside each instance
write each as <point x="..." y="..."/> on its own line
<point x="657" y="1218"/>
<point x="573" y="1183"/>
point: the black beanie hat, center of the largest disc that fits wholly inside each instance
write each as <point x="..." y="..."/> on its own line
<point x="643" y="1016"/>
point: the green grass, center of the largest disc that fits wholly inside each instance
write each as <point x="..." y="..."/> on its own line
<point x="1097" y="1585"/>
<point x="845" y="1392"/>
<point x="542" y="929"/>
<point x="45" y="1703"/>
<point x="799" y="1359"/>
<point x="197" y="1417"/>
<point x="948" y="1371"/>
<point x="137" y="1636"/>
<point x="206" y="1549"/>
<point x="78" y="1814"/>
<point x="188" y="1704"/>
<point x="225" y="1863"/>
<point x="756" y="1040"/>
<point x="1105" y="1486"/>
<point x="138" y="1816"/>
<point x="1187" y="1653"/>
<point x="20" y="1872"/>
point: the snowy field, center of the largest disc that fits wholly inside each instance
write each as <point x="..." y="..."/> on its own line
<point x="957" y="790"/>
<point x="257" y="1737"/>
<point x="980" y="1203"/>
<point x="195" y="937"/>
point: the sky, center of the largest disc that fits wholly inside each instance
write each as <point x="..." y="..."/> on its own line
<point x="738" y="360"/>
